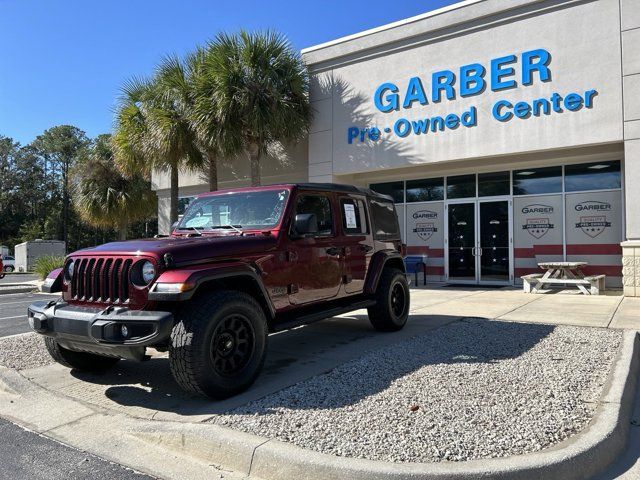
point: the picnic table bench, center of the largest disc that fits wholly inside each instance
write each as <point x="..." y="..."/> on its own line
<point x="565" y="273"/>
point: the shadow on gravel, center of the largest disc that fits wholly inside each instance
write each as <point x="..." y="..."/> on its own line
<point x="317" y="349"/>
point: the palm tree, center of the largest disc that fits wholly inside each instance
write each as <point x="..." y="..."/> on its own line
<point x="252" y="95"/>
<point x="153" y="131"/>
<point x="104" y="197"/>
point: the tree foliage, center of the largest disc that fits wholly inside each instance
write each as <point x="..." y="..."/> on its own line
<point x="104" y="197"/>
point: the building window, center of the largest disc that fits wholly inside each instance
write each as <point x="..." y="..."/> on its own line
<point x="461" y="186"/>
<point x="394" y="189"/>
<point x="492" y="184"/>
<point x="592" y="176"/>
<point x="534" y="181"/>
<point x="426" y="190"/>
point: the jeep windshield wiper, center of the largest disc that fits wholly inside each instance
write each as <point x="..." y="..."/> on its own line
<point x="233" y="227"/>
<point x="191" y="228"/>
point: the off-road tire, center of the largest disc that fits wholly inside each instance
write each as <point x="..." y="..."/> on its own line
<point x="81" y="361"/>
<point x="197" y="341"/>
<point x="387" y="315"/>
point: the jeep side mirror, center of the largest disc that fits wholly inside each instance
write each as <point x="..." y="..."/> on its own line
<point x="305" y="224"/>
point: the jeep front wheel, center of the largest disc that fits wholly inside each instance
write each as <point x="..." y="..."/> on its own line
<point x="391" y="310"/>
<point x="219" y="344"/>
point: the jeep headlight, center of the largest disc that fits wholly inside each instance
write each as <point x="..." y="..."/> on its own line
<point x="148" y="272"/>
<point x="68" y="271"/>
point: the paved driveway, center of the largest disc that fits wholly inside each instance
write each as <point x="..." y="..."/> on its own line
<point x="13" y="311"/>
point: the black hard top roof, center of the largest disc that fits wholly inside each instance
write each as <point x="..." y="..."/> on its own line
<point x="337" y="187"/>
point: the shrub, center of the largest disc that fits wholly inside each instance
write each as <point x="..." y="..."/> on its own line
<point x="45" y="264"/>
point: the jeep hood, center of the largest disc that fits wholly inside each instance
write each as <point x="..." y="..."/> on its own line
<point x="188" y="249"/>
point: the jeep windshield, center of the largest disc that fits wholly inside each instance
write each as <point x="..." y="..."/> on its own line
<point x="234" y="211"/>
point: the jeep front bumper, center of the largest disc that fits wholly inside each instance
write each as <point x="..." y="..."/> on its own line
<point x="114" y="331"/>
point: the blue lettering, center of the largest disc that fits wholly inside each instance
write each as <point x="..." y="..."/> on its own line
<point x="498" y="71"/>
<point x="437" y="85"/>
<point x="471" y="79"/>
<point x="522" y="109"/>
<point x="469" y="119"/>
<point x="352" y="133"/>
<point x="420" y="126"/>
<point x="573" y="102"/>
<point x="536" y="61"/>
<point x="415" y="92"/>
<point x="588" y="98"/>
<point x="541" y="103"/>
<point x="402" y="127"/>
<point x="498" y="115"/>
<point x="452" y="121"/>
<point x="374" y="134"/>
<point x="437" y="123"/>
<point x="389" y="102"/>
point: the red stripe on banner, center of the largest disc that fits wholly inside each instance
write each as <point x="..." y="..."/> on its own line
<point x="609" y="270"/>
<point x="435" y="270"/>
<point x="431" y="252"/>
<point x="520" y="271"/>
<point x="537" y="250"/>
<point x="523" y="253"/>
<point x="548" y="249"/>
<point x="595" y="249"/>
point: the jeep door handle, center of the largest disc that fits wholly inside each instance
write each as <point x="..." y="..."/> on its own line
<point x="333" y="251"/>
<point x="366" y="248"/>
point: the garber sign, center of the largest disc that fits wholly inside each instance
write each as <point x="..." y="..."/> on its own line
<point x="469" y="80"/>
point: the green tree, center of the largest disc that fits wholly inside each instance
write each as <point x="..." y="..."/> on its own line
<point x="104" y="197"/>
<point x="153" y="132"/>
<point x="253" y="93"/>
<point x="61" y="147"/>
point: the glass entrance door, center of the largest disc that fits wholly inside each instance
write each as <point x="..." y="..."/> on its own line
<point x="462" y="242"/>
<point x="494" y="250"/>
<point x="478" y="242"/>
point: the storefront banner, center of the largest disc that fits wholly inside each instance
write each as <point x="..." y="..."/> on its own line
<point x="594" y="233"/>
<point x="425" y="234"/>
<point x="537" y="232"/>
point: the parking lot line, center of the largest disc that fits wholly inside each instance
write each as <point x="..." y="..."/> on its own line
<point x="15" y="316"/>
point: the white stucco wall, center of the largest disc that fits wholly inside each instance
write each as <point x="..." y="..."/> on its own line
<point x="583" y="39"/>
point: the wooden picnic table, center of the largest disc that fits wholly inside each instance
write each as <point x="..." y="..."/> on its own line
<point x="569" y="273"/>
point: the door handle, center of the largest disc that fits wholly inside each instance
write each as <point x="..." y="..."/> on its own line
<point x="480" y="250"/>
<point x="333" y="251"/>
<point x="366" y="248"/>
<point x="473" y="251"/>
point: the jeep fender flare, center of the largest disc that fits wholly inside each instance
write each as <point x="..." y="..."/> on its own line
<point x="380" y="261"/>
<point x="197" y="277"/>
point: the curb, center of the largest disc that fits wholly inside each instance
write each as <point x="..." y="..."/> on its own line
<point x="581" y="456"/>
<point x="19" y="288"/>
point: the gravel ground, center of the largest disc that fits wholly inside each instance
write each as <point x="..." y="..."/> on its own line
<point x="473" y="389"/>
<point x="24" y="351"/>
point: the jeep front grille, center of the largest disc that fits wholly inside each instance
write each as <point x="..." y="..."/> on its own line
<point x="101" y="279"/>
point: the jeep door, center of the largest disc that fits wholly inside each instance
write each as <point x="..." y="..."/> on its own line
<point x="315" y="260"/>
<point x="356" y="241"/>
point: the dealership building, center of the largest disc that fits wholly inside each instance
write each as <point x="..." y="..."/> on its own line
<point x="507" y="132"/>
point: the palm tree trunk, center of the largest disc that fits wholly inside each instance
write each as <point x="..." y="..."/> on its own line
<point x="254" y="160"/>
<point x="173" y="209"/>
<point x="213" y="171"/>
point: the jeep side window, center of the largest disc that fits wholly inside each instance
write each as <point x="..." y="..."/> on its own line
<point x="385" y="220"/>
<point x="321" y="207"/>
<point x="354" y="217"/>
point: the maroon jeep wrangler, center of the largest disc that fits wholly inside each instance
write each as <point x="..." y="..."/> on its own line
<point x="240" y="264"/>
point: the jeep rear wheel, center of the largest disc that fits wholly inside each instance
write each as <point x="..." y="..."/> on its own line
<point x="391" y="310"/>
<point x="81" y="361"/>
<point x="219" y="344"/>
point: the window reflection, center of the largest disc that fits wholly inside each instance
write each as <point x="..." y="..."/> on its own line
<point x="425" y="190"/>
<point x="534" y="181"/>
<point x="394" y="189"/>
<point x="592" y="176"/>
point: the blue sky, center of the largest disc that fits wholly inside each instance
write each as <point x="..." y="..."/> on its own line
<point x="62" y="62"/>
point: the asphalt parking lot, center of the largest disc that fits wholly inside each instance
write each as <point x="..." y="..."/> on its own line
<point x="13" y="311"/>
